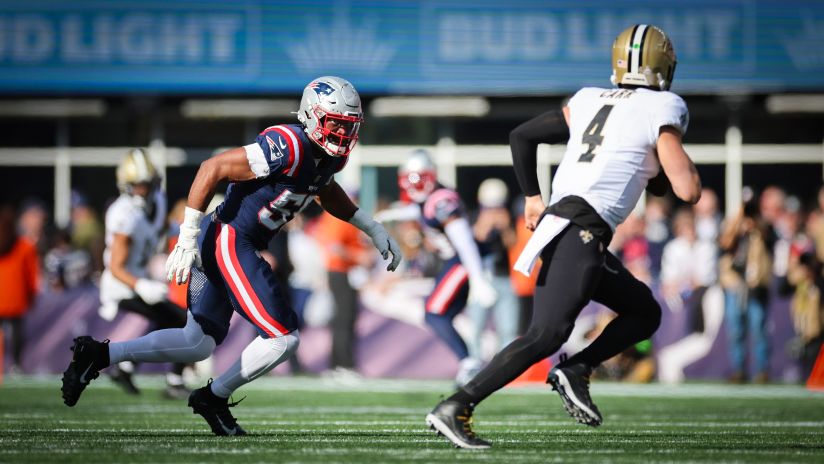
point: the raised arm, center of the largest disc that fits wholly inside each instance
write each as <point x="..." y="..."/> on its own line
<point x="677" y="165"/>
<point x="232" y="165"/>
<point x="334" y="199"/>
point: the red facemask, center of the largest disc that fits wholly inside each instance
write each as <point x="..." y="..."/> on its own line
<point x="417" y="185"/>
<point x="337" y="133"/>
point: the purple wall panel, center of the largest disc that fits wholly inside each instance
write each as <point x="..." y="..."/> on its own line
<point x="386" y="347"/>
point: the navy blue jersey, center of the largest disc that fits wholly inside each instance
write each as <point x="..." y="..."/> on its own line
<point x="290" y="170"/>
<point x="440" y="207"/>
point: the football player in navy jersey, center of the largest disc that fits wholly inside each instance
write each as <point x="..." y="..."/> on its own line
<point x="621" y="141"/>
<point x="461" y="278"/>
<point x="271" y="179"/>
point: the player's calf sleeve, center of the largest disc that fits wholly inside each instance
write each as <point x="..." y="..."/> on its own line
<point x="185" y="345"/>
<point x="258" y="358"/>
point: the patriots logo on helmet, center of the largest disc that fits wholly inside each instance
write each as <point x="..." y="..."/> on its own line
<point x="322" y="88"/>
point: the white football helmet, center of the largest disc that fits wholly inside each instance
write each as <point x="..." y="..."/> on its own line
<point x="417" y="176"/>
<point x="136" y="168"/>
<point x="642" y="55"/>
<point x="331" y="114"/>
<point x="492" y="193"/>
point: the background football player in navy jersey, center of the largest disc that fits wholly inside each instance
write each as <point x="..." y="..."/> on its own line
<point x="271" y="180"/>
<point x="461" y="277"/>
<point x="621" y="142"/>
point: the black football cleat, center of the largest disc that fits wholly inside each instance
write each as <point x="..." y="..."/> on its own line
<point x="124" y="380"/>
<point x="89" y="357"/>
<point x="216" y="411"/>
<point x="572" y="384"/>
<point x="453" y="420"/>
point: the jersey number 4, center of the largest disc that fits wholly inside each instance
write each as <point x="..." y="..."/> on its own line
<point x="282" y="209"/>
<point x="592" y="135"/>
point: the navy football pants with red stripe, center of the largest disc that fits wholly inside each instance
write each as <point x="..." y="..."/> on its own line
<point x="236" y="278"/>
<point x="446" y="301"/>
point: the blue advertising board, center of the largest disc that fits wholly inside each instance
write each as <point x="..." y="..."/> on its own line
<point x="489" y="47"/>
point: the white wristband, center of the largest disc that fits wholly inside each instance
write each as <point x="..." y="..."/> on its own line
<point x="192" y="217"/>
<point x="190" y="228"/>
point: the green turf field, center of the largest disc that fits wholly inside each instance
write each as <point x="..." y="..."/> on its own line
<point x="318" y="420"/>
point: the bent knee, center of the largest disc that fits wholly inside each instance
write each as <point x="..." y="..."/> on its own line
<point x="205" y="348"/>
<point x="284" y="344"/>
<point x="650" y="311"/>
<point x="545" y="341"/>
<point x="292" y="340"/>
<point x="654" y="318"/>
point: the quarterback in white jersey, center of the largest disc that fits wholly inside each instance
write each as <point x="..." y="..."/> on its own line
<point x="612" y="152"/>
<point x="621" y="141"/>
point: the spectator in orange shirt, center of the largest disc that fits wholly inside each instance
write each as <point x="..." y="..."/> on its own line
<point x="19" y="271"/>
<point x="345" y="249"/>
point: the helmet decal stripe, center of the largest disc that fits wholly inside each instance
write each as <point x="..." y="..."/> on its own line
<point x="630" y="55"/>
<point x="635" y="47"/>
<point x="140" y="164"/>
<point x="641" y="46"/>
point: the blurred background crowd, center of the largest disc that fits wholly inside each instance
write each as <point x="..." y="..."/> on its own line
<point x="742" y="295"/>
<point x="739" y="275"/>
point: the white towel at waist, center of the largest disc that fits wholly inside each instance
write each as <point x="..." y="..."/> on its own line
<point x="549" y="227"/>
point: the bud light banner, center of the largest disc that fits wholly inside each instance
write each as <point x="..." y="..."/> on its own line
<point x="486" y="47"/>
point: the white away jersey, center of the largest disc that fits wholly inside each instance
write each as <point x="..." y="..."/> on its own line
<point x="611" y="152"/>
<point x="126" y="216"/>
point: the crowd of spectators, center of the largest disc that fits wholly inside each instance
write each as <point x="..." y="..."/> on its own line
<point x="772" y="247"/>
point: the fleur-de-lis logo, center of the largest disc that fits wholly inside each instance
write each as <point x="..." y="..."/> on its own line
<point x="586" y="236"/>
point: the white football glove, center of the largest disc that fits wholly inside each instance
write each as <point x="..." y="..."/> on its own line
<point x="481" y="293"/>
<point x="380" y="237"/>
<point x="151" y="291"/>
<point x="185" y="254"/>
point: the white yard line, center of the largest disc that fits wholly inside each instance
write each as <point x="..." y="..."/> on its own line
<point x="599" y="389"/>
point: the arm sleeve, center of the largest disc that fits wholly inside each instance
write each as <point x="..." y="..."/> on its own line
<point x="275" y="149"/>
<point x="460" y="235"/>
<point x="410" y="212"/>
<point x="549" y="127"/>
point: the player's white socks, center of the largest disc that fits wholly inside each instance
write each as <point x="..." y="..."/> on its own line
<point x="185" y="345"/>
<point x="258" y="358"/>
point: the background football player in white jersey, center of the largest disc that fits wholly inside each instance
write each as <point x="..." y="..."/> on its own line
<point x="619" y="139"/>
<point x="134" y="224"/>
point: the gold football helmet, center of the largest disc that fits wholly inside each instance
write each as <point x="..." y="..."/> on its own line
<point x="643" y="56"/>
<point x="135" y="168"/>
